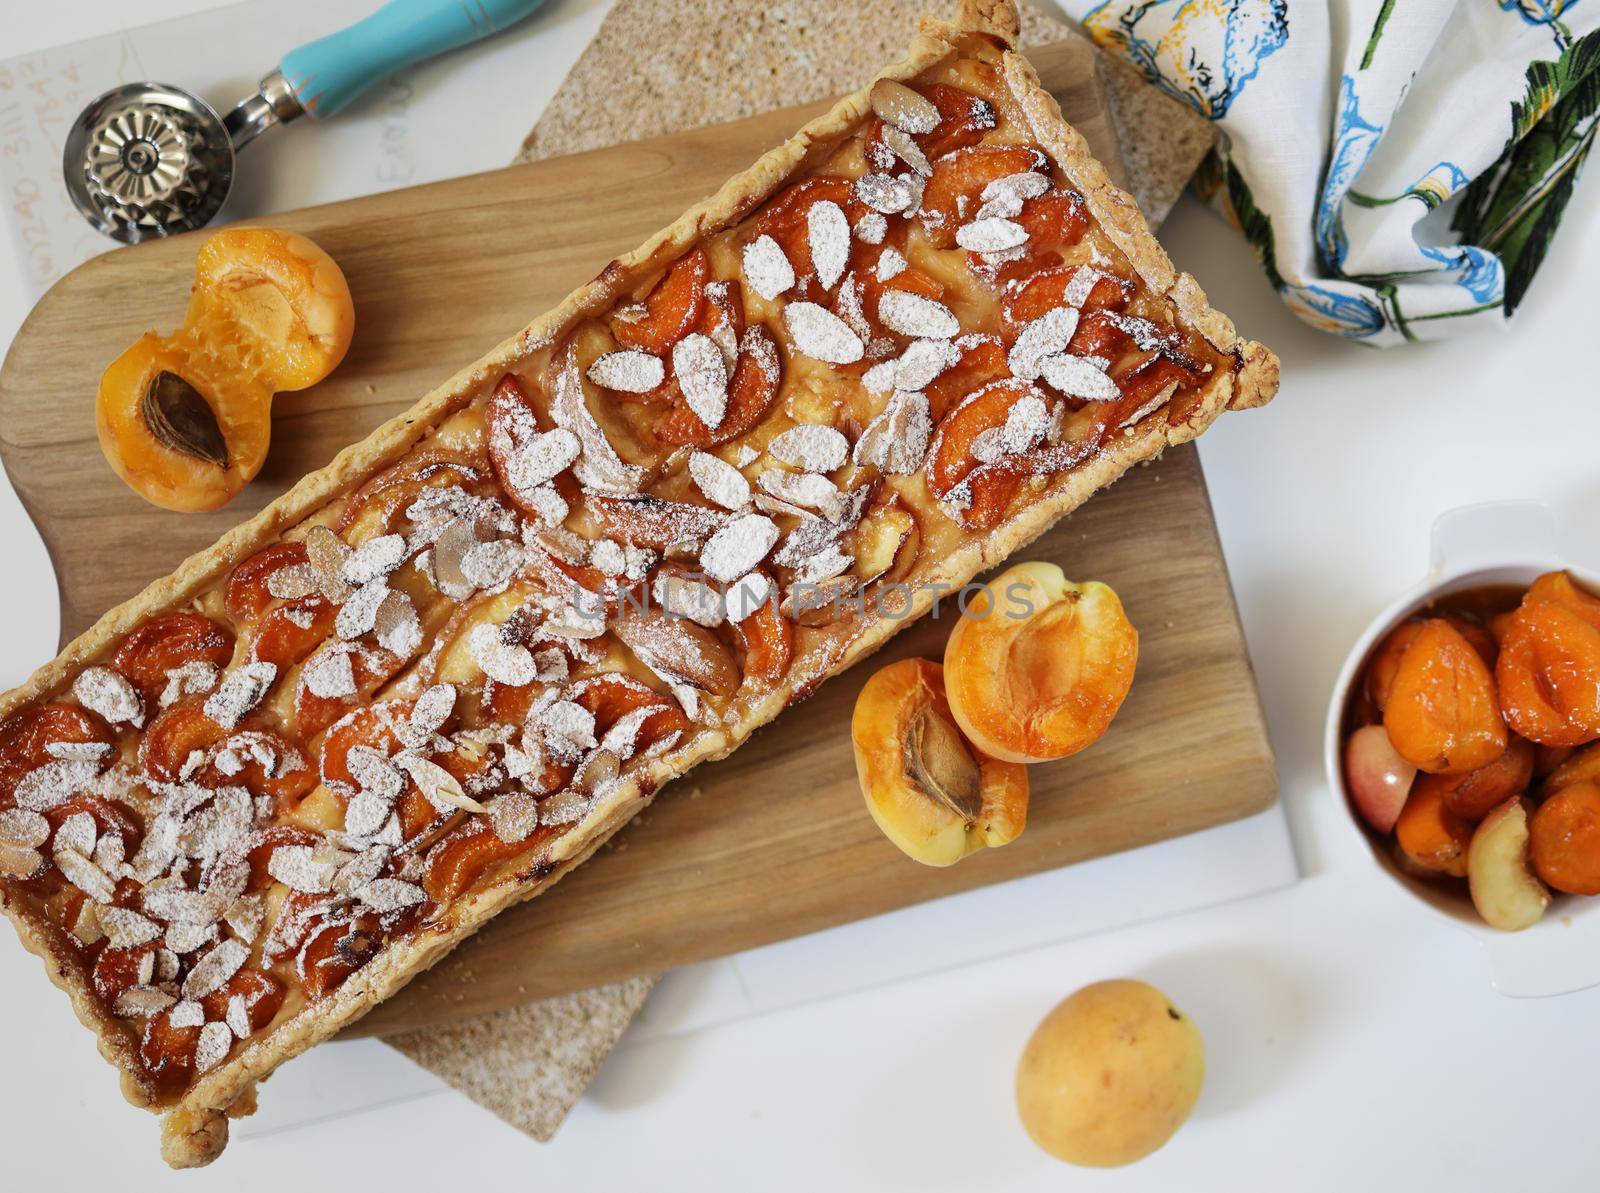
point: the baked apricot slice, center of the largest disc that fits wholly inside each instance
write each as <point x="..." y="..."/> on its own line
<point x="175" y="734"/>
<point x="1054" y="220"/>
<point x="372" y="725"/>
<point x="1559" y="588"/>
<point x="1431" y="837"/>
<point x="1474" y="795"/>
<point x="370" y="667"/>
<point x="157" y="647"/>
<point x="962" y="119"/>
<point x="1549" y="675"/>
<point x="1578" y="766"/>
<point x="257" y="849"/>
<point x="1037" y="666"/>
<point x="458" y="862"/>
<point x="185" y="418"/>
<point x="248" y="593"/>
<point x="286" y="781"/>
<point x="953" y="193"/>
<point x="108" y="815"/>
<point x="981" y="363"/>
<point x="671" y="309"/>
<point x="786" y="219"/>
<point x="167" y="1051"/>
<point x="1384" y="663"/>
<point x="116" y="969"/>
<point x="1442" y="713"/>
<point x="1564" y="839"/>
<point x="25" y="735"/>
<point x="288" y="634"/>
<point x="263" y="997"/>
<point x="611" y="695"/>
<point x="753" y="388"/>
<point x="379" y="506"/>
<point x="937" y="797"/>
<point x="335" y="950"/>
<point x="1047" y="289"/>
<point x="510" y="413"/>
<point x="768" y="640"/>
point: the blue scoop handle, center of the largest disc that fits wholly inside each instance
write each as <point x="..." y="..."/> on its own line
<point x="330" y="72"/>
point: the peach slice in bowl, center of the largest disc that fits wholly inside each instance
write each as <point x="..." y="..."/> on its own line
<point x="1456" y="840"/>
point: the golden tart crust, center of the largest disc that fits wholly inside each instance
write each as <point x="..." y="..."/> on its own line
<point x="556" y="350"/>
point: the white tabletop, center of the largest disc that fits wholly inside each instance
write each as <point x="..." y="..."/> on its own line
<point x="1350" y="1038"/>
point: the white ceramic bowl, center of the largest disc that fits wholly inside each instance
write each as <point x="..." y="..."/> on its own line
<point x="1508" y="542"/>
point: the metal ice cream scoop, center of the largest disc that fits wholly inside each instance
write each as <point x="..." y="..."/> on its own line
<point x="149" y="159"/>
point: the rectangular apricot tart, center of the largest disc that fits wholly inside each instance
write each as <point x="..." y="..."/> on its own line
<point x="263" y="794"/>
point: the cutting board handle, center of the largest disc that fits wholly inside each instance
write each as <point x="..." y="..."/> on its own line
<point x="331" y="71"/>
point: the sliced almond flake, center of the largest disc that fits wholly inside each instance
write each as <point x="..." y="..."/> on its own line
<point x="327" y="552"/>
<point x="126" y="928"/>
<point x="141" y="1002"/>
<point x="20" y="862"/>
<point x="597" y="771"/>
<point x="513" y="816"/>
<point x="491" y="565"/>
<point x="566" y="807"/>
<point x="23" y="829"/>
<point x="628" y="371"/>
<point x="917" y="185"/>
<point x="991" y="235"/>
<point x="913" y="315"/>
<point x="850" y="307"/>
<point x="433" y="708"/>
<point x="685" y="596"/>
<point x="108" y="693"/>
<point x="158" y="848"/>
<point x="1077" y="377"/>
<point x="177" y="904"/>
<point x="810" y="491"/>
<point x="187" y="1013"/>
<point x="719" y="480"/>
<point x="880" y="378"/>
<point x="1026" y="424"/>
<point x="246" y="916"/>
<point x="747" y="594"/>
<point x="86" y="930"/>
<point x="621" y="740"/>
<point x="110" y="854"/>
<point x="376" y="776"/>
<point x="366" y="813"/>
<point x="1048" y="335"/>
<point x="811" y="447"/>
<point x="186" y="938"/>
<point x="891" y="263"/>
<point x="504" y="662"/>
<point x="1154" y="404"/>
<point x="702" y="375"/>
<point x="884" y="193"/>
<point x="598" y="466"/>
<point x="824" y="565"/>
<point x="822" y="335"/>
<point x="1005" y="196"/>
<point x="568" y="727"/>
<point x="907" y="151"/>
<point x="79" y="751"/>
<point x="238" y="1017"/>
<point x="571" y="622"/>
<point x="359" y="613"/>
<point x="872" y="228"/>
<point x="299" y="869"/>
<point x="376" y="557"/>
<point x="396" y="626"/>
<point x="766" y="267"/>
<point x="215" y="1041"/>
<point x="608" y="558"/>
<point x="329" y="674"/>
<point x="828" y="233"/>
<point x="1080" y="285"/>
<point x="385" y="895"/>
<point x="902" y="108"/>
<point x="543" y="458"/>
<point x="77" y="833"/>
<point x="550" y="665"/>
<point x="547" y="503"/>
<point x="739" y="546"/>
<point x="240" y="691"/>
<point x="167" y="965"/>
<point x="214" y="970"/>
<point x="922" y="362"/>
<point x="438" y="786"/>
<point x="53" y="783"/>
<point x="449" y="551"/>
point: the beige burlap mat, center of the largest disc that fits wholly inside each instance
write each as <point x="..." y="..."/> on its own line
<point x="662" y="66"/>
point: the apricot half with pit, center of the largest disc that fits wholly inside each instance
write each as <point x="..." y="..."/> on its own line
<point x="935" y="796"/>
<point x="185" y="418"/>
<point x="1038" y="666"/>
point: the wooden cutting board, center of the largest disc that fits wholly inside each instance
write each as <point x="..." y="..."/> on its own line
<point x="772" y="842"/>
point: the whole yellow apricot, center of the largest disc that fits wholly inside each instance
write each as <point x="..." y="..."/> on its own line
<point x="1109" y="1075"/>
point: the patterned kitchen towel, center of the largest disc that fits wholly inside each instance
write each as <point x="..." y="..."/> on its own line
<point x="1400" y="166"/>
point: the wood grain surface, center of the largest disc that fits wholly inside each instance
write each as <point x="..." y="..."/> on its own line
<point x="772" y="842"/>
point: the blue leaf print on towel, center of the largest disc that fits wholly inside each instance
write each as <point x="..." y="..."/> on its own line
<point x="1539" y="12"/>
<point x="1480" y="273"/>
<point x="1202" y="51"/>
<point x="1347" y="314"/>
<point x="1354" y="139"/>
